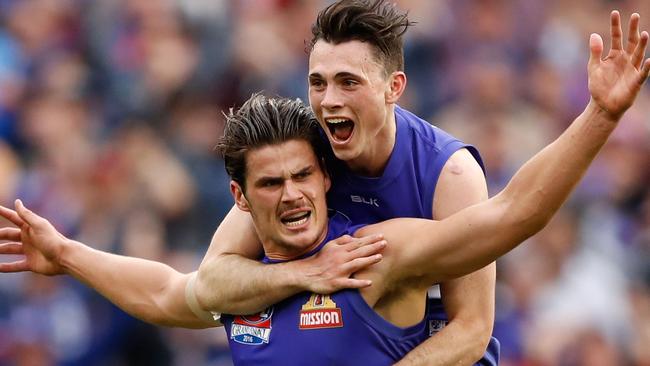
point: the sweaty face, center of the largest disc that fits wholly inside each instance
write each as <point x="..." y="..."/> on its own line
<point x="285" y="193"/>
<point x="347" y="92"/>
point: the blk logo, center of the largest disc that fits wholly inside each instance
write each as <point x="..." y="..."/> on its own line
<point x="367" y="201"/>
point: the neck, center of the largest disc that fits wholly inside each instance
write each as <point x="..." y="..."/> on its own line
<point x="375" y="156"/>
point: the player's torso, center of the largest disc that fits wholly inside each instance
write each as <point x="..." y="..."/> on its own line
<point x="406" y="187"/>
<point x="407" y="184"/>
<point x="318" y="329"/>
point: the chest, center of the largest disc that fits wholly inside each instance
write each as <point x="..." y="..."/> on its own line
<point x="318" y="329"/>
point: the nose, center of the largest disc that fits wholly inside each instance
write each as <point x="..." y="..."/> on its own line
<point x="331" y="98"/>
<point x="291" y="192"/>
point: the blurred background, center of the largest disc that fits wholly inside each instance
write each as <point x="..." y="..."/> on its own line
<point x="109" y="111"/>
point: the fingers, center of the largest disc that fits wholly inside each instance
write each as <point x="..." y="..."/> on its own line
<point x="342" y="240"/>
<point x="26" y="215"/>
<point x="363" y="241"/>
<point x="352" y="283"/>
<point x="639" y="51"/>
<point x="11" y="248"/>
<point x="633" y="33"/>
<point x="10" y="233"/>
<point x="616" y="31"/>
<point x="18" y="266"/>
<point x="369" y="249"/>
<point x="645" y="71"/>
<point x="596" y="50"/>
<point x="11" y="215"/>
<point x="358" y="264"/>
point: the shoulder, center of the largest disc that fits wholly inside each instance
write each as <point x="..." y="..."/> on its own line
<point x="461" y="184"/>
<point x="432" y="141"/>
<point x="421" y="129"/>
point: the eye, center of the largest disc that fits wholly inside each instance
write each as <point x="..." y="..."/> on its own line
<point x="302" y="175"/>
<point x="270" y="183"/>
<point x="350" y="82"/>
<point x="316" y="84"/>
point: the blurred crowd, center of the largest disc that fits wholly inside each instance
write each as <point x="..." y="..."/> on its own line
<point x="109" y="111"/>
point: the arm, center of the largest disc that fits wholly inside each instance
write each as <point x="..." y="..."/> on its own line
<point x="229" y="282"/>
<point x="469" y="300"/>
<point x="151" y="291"/>
<point x="481" y="233"/>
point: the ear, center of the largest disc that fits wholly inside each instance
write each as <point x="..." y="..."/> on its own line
<point x="396" y="86"/>
<point x="328" y="181"/>
<point x="238" y="194"/>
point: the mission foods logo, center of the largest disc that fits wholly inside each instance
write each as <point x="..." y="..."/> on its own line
<point x="252" y="329"/>
<point x="320" y="312"/>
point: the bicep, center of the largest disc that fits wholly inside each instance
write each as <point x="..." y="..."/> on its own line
<point x="442" y="250"/>
<point x="461" y="184"/>
<point x="235" y="235"/>
<point x="435" y="251"/>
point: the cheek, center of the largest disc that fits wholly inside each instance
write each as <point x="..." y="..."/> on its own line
<point x="314" y="99"/>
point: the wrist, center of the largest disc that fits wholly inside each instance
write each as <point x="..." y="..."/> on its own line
<point x="295" y="275"/>
<point x="65" y="256"/>
<point x="596" y="110"/>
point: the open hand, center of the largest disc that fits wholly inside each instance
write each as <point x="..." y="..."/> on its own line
<point x="35" y="238"/>
<point x="615" y="81"/>
<point x="331" y="269"/>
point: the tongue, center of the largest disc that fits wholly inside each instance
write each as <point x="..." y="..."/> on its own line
<point x="342" y="131"/>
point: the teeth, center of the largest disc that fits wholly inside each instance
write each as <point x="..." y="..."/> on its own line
<point x="336" y="120"/>
<point x="296" y="215"/>
<point x="297" y="223"/>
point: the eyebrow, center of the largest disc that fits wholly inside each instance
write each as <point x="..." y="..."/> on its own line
<point x="339" y="75"/>
<point x="270" y="179"/>
<point x="264" y="180"/>
<point x="304" y="170"/>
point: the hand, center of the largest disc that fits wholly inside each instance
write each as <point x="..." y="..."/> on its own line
<point x="330" y="269"/>
<point x="35" y="238"/>
<point x="615" y="81"/>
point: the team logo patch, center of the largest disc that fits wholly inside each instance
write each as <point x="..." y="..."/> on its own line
<point x="319" y="312"/>
<point x="252" y="329"/>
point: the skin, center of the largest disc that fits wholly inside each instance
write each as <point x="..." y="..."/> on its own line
<point x="347" y="81"/>
<point x="468" y="239"/>
<point x="281" y="187"/>
<point x="463" y="242"/>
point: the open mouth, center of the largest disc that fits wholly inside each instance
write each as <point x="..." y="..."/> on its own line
<point x="340" y="128"/>
<point x="296" y="219"/>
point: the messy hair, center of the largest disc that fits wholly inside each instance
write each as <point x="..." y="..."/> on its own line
<point x="264" y="121"/>
<point x="377" y="22"/>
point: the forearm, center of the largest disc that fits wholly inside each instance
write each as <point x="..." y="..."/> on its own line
<point x="232" y="284"/>
<point x="148" y="290"/>
<point x="228" y="281"/>
<point x="535" y="193"/>
<point x="455" y="344"/>
<point x="464" y="339"/>
<point x="541" y="186"/>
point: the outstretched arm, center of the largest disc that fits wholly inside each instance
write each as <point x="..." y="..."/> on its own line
<point x="479" y="234"/>
<point x="230" y="281"/>
<point x="151" y="291"/>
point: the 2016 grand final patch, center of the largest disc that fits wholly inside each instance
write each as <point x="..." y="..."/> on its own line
<point x="252" y="329"/>
<point x="319" y="312"/>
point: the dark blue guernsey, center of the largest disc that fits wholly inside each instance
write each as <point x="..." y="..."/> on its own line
<point x="405" y="189"/>
<point x="309" y="329"/>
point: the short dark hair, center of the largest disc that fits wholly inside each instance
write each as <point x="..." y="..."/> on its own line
<point x="376" y="22"/>
<point x="264" y="121"/>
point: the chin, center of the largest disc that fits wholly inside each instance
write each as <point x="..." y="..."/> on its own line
<point x="344" y="153"/>
<point x="301" y="243"/>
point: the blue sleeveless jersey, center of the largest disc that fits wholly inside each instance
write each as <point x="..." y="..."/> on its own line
<point x="405" y="189"/>
<point x="311" y="329"/>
